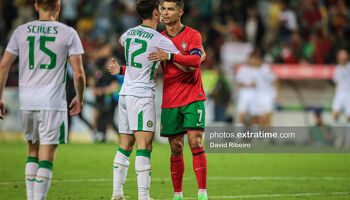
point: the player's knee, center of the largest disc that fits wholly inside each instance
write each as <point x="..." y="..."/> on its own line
<point x="195" y="142"/>
<point x="176" y="148"/>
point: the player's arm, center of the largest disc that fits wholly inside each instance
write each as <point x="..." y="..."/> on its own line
<point x="5" y="64"/>
<point x="79" y="83"/>
<point x="193" y="60"/>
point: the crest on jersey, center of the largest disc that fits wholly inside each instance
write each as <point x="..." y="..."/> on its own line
<point x="149" y="124"/>
<point x="184" y="46"/>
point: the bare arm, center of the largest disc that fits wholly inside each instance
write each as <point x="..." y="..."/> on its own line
<point x="5" y="64"/>
<point x="79" y="83"/>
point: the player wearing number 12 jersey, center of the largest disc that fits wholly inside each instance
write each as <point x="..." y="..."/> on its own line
<point x="44" y="47"/>
<point x="136" y="101"/>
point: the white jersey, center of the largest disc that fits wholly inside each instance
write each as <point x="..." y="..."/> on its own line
<point x="342" y="78"/>
<point x="139" y="42"/>
<point x="247" y="75"/>
<point x="43" y="48"/>
<point x="265" y="80"/>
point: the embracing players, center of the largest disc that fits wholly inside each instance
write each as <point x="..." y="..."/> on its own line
<point x="136" y="102"/>
<point x="183" y="97"/>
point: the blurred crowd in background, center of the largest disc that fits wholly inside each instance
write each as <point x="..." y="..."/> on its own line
<point x="292" y="32"/>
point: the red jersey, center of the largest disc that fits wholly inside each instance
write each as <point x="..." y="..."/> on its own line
<point x="181" y="88"/>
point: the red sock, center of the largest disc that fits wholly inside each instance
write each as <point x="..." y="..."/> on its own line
<point x="200" y="167"/>
<point x="177" y="172"/>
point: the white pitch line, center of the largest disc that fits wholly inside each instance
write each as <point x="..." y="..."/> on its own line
<point x="270" y="195"/>
<point x="262" y="178"/>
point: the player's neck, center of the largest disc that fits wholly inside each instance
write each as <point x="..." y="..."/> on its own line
<point x="174" y="29"/>
<point x="343" y="64"/>
<point x="47" y="16"/>
<point x="150" y="23"/>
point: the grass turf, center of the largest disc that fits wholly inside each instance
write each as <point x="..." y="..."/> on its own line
<point x="84" y="171"/>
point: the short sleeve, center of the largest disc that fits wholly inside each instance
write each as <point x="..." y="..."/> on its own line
<point x="12" y="46"/>
<point x="167" y="45"/>
<point x="75" y="48"/>
<point x="123" y="39"/>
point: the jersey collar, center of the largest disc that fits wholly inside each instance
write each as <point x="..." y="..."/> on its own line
<point x="146" y="26"/>
<point x="172" y="36"/>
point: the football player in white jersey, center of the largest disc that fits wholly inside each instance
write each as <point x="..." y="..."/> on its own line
<point x="266" y="91"/>
<point x="44" y="47"/>
<point x="136" y="101"/>
<point x="247" y="104"/>
<point x="341" y="101"/>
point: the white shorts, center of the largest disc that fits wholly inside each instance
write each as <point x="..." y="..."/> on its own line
<point x="266" y="103"/>
<point x="341" y="102"/>
<point x="136" y="114"/>
<point x="248" y="103"/>
<point x="46" y="126"/>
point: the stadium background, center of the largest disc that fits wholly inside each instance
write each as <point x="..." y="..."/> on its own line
<point x="299" y="38"/>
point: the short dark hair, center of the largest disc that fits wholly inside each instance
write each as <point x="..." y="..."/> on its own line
<point x="179" y="3"/>
<point x="47" y="5"/>
<point x="145" y="8"/>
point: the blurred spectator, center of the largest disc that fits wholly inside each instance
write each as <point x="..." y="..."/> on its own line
<point x="311" y="17"/>
<point x="287" y="21"/>
<point x="25" y="12"/>
<point x="2" y="29"/>
<point x="339" y="16"/>
<point x="221" y="96"/>
<point x="342" y="42"/>
<point x="128" y="17"/>
<point x="103" y="86"/>
<point x="9" y="13"/>
<point x="69" y="11"/>
<point x="254" y="27"/>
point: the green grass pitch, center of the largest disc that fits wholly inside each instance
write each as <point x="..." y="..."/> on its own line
<point x="84" y="171"/>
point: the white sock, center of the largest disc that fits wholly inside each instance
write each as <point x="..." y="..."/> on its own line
<point x="30" y="172"/>
<point x="143" y="172"/>
<point x="43" y="180"/>
<point x="178" y="194"/>
<point x="120" y="170"/>
<point x="202" y="191"/>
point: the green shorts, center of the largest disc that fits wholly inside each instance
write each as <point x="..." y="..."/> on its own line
<point x="177" y="121"/>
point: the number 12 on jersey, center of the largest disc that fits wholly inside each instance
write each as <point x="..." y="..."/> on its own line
<point x="135" y="53"/>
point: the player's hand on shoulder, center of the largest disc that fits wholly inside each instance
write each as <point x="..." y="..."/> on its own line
<point x="160" y="55"/>
<point x="76" y="106"/>
<point x="2" y="110"/>
<point x="114" y="67"/>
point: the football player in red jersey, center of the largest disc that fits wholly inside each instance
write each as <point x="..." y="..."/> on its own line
<point x="183" y="97"/>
